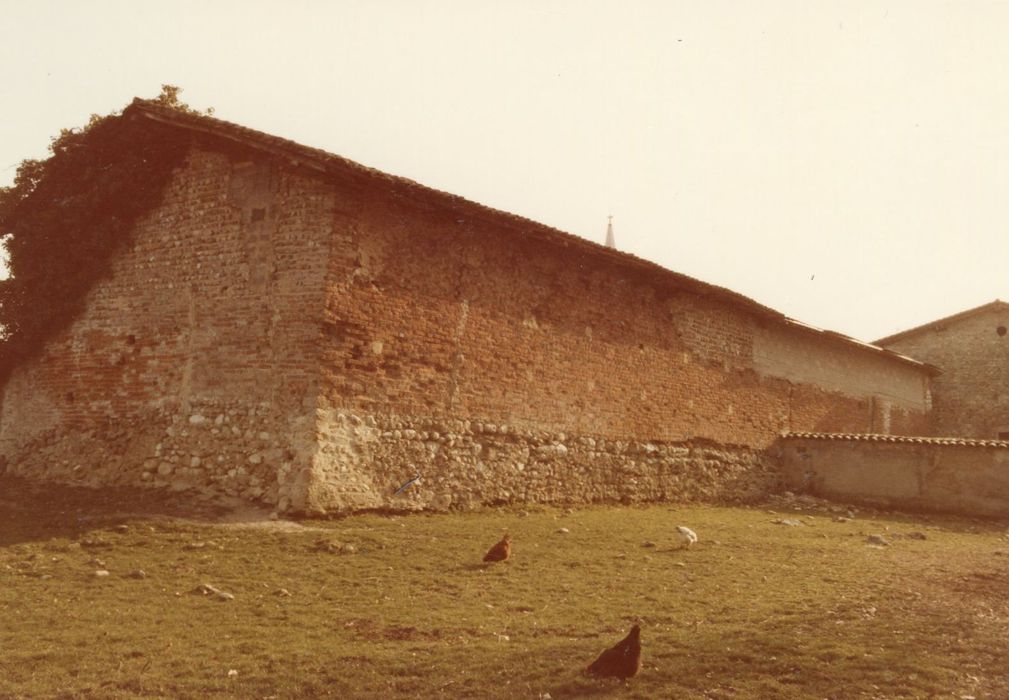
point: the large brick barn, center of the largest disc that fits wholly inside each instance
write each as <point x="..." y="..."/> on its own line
<point x="291" y="327"/>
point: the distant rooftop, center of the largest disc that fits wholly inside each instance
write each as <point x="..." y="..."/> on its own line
<point x="939" y="323"/>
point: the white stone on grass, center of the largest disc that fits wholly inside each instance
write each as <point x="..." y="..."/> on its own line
<point x="217" y="593"/>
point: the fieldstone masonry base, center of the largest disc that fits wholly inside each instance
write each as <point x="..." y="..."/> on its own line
<point x="210" y="449"/>
<point x="358" y="462"/>
<point x="362" y="460"/>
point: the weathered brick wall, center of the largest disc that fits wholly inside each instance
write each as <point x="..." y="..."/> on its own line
<point x="971" y="396"/>
<point x="793" y="353"/>
<point x="882" y="396"/>
<point x="195" y="363"/>
<point x="313" y="341"/>
<point x="968" y="479"/>
<point x="435" y="317"/>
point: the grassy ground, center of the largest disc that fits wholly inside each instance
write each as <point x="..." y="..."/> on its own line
<point x="379" y="607"/>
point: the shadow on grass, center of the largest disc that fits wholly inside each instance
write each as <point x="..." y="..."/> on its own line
<point x="473" y="566"/>
<point x="589" y="687"/>
<point x="31" y="511"/>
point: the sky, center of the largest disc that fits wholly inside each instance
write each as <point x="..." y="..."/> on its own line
<point x="846" y="163"/>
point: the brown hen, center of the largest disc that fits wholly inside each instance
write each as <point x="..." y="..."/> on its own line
<point x="620" y="661"/>
<point x="500" y="551"/>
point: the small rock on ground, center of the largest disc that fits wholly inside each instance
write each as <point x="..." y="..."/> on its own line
<point x="207" y="589"/>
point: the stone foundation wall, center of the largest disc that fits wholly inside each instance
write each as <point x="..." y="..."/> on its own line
<point x="363" y="459"/>
<point x="211" y="450"/>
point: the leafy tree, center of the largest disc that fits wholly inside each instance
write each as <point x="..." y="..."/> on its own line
<point x="64" y="218"/>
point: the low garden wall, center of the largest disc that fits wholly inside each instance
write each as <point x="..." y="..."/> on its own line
<point x="968" y="477"/>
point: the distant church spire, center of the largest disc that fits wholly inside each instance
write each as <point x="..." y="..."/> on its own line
<point x="610" y="242"/>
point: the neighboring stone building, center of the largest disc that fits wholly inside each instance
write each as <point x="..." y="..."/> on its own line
<point x="971" y="396"/>
<point x="292" y="327"/>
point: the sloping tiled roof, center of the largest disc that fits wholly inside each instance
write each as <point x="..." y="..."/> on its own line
<point x="990" y="306"/>
<point x="874" y="437"/>
<point x="334" y="165"/>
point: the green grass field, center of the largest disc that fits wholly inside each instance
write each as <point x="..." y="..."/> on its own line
<point x="401" y="606"/>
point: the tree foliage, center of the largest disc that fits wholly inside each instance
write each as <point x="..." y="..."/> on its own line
<point x="65" y="216"/>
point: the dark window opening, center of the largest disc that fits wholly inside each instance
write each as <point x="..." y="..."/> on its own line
<point x="1000" y="330"/>
<point x="131" y="339"/>
<point x="70" y="397"/>
<point x="258" y="214"/>
<point x="1003" y="435"/>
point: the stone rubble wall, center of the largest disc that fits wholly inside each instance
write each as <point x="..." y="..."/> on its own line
<point x="363" y="459"/>
<point x="213" y="450"/>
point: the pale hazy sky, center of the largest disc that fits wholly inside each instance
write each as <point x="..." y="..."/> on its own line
<point x="846" y="163"/>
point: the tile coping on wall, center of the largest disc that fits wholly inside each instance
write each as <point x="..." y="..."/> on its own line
<point x="874" y="437"/>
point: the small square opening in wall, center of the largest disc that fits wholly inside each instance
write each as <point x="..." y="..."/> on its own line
<point x="1000" y="330"/>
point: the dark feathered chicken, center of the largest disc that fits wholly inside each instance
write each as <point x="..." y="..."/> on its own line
<point x="620" y="661"/>
<point x="500" y="551"/>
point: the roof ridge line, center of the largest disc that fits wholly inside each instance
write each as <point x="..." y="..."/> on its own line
<point x="945" y="319"/>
